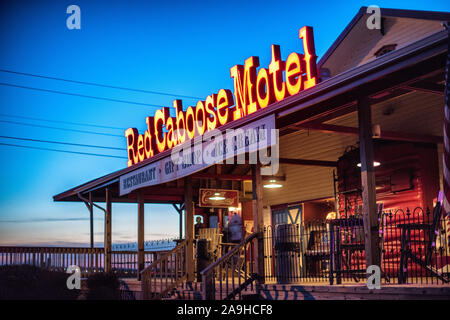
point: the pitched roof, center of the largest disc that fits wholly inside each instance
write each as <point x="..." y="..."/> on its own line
<point x="385" y="12"/>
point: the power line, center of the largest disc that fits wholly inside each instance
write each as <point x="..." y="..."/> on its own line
<point x="100" y="85"/>
<point x="63" y="129"/>
<point x="60" y="121"/>
<point x="64" y="143"/>
<point x="80" y="95"/>
<point x="65" y="151"/>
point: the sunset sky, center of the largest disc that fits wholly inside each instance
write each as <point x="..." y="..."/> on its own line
<point x="179" y="48"/>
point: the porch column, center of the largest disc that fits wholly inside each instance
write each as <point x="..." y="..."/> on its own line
<point x="258" y="225"/>
<point x="180" y="216"/>
<point x="368" y="183"/>
<point x="180" y="213"/>
<point x="446" y="156"/>
<point x="108" y="231"/>
<point x="91" y="211"/>
<point x="189" y="229"/>
<point x="140" y="235"/>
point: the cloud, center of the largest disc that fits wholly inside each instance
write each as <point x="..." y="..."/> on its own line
<point x="44" y="220"/>
<point x="65" y="244"/>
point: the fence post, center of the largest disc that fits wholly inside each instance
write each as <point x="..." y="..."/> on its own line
<point x="208" y="290"/>
<point x="41" y="258"/>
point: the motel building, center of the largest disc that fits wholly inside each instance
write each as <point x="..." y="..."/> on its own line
<point x="348" y="196"/>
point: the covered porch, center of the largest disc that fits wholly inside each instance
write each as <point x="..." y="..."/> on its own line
<point x="359" y="184"/>
<point x="361" y="167"/>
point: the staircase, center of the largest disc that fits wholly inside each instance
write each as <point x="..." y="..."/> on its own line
<point x="233" y="275"/>
<point x="165" y="274"/>
<point x="230" y="277"/>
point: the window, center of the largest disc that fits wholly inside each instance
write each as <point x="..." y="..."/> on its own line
<point x="288" y="215"/>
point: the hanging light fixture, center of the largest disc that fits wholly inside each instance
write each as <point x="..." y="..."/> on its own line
<point x="273" y="184"/>
<point x="375" y="164"/>
<point x="217" y="197"/>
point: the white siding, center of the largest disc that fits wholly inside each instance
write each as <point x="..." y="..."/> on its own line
<point x="360" y="44"/>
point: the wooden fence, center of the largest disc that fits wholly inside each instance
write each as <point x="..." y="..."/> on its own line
<point x="89" y="260"/>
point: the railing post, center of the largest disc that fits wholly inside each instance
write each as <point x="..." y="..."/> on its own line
<point x="209" y="288"/>
<point x="41" y="258"/>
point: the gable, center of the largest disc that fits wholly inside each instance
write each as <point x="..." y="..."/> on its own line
<point x="360" y="44"/>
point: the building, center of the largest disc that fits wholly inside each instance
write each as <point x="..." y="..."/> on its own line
<point x="362" y="138"/>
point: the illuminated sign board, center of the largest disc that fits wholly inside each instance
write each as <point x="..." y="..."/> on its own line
<point x="216" y="198"/>
<point x="166" y="169"/>
<point x="253" y="90"/>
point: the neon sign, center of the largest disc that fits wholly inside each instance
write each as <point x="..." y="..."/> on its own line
<point x="253" y="90"/>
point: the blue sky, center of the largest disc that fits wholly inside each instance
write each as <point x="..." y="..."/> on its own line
<point x="180" y="47"/>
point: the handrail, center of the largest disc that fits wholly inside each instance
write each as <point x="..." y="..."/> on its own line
<point x="228" y="254"/>
<point x="169" y="270"/>
<point x="237" y="265"/>
<point x="183" y="243"/>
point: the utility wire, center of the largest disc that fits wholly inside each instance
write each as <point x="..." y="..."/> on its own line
<point x="63" y="129"/>
<point x="64" y="143"/>
<point x="60" y="121"/>
<point x="65" y="151"/>
<point x="80" y="95"/>
<point x="100" y="85"/>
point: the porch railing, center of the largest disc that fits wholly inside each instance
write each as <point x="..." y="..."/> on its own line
<point x="165" y="274"/>
<point x="232" y="274"/>
<point x="333" y="251"/>
<point x="90" y="260"/>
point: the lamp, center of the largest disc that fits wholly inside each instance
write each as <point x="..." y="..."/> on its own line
<point x="273" y="184"/>
<point x="375" y="164"/>
<point x="216" y="197"/>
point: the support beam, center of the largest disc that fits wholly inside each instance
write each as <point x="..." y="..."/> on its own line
<point x="189" y="228"/>
<point x="180" y="214"/>
<point x="214" y="176"/>
<point x="387" y="135"/>
<point x="181" y="224"/>
<point x="140" y="235"/>
<point x="91" y="218"/>
<point x="425" y="86"/>
<point x="306" y="162"/>
<point x="258" y="225"/>
<point x="108" y="231"/>
<point x="368" y="183"/>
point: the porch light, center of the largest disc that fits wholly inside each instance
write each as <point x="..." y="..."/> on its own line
<point x="217" y="197"/>
<point x="273" y="184"/>
<point x="375" y="164"/>
<point x="331" y="215"/>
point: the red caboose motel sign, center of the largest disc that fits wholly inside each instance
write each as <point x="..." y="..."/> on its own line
<point x="252" y="91"/>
